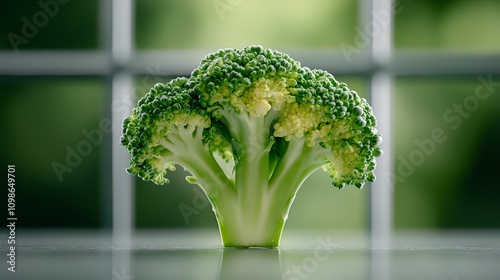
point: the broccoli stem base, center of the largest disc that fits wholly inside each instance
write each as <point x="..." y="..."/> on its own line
<point x="259" y="225"/>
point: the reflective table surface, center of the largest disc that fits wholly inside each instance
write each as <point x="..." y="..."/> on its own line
<point x="172" y="254"/>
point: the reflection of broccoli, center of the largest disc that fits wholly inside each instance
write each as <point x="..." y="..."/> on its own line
<point x="250" y="126"/>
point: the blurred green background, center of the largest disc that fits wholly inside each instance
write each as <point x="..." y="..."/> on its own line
<point x="45" y="118"/>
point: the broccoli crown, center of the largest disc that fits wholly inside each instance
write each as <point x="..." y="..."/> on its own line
<point x="253" y="80"/>
<point x="155" y="122"/>
<point x="258" y="99"/>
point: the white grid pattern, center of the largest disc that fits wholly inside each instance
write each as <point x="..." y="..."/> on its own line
<point x="118" y="60"/>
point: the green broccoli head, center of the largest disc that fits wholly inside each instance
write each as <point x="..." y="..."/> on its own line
<point x="153" y="133"/>
<point x="252" y="123"/>
<point x="252" y="80"/>
<point x="326" y="113"/>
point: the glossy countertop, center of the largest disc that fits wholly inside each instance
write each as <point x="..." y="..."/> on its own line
<point x="197" y="254"/>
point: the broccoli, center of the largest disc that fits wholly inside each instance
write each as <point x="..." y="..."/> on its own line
<point x="250" y="125"/>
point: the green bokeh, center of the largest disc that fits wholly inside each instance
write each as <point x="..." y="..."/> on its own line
<point x="282" y="24"/>
<point x="56" y="24"/>
<point x="42" y="120"/>
<point x="455" y="183"/>
<point x="451" y="25"/>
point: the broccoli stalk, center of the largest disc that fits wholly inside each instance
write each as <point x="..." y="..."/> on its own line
<point x="250" y="126"/>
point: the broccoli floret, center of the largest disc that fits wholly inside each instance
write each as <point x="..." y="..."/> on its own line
<point x="251" y="125"/>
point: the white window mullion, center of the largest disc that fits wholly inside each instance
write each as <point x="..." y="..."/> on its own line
<point x="381" y="192"/>
<point x="122" y="93"/>
<point x="380" y="23"/>
<point x="122" y="85"/>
